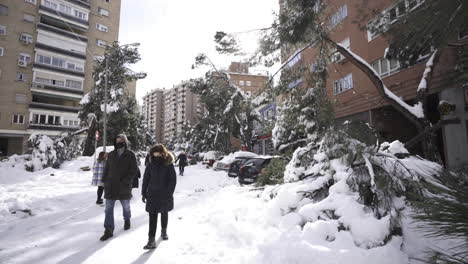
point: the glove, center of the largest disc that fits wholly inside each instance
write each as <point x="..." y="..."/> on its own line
<point x="143" y="198"/>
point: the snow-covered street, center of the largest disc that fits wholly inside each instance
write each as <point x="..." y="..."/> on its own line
<point x="207" y="225"/>
<point x="50" y="216"/>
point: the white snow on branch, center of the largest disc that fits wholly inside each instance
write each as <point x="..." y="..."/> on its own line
<point x="114" y="107"/>
<point x="85" y="99"/>
<point x="416" y="110"/>
<point x="427" y="71"/>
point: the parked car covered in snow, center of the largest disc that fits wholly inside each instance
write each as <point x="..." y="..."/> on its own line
<point x="235" y="166"/>
<point x="210" y="157"/>
<point x="225" y="162"/>
<point x="252" y="168"/>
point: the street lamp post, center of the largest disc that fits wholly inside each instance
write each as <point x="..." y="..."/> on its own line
<point x="104" y="136"/>
<point x="106" y="78"/>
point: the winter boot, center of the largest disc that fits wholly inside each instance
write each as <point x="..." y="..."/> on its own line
<point x="164" y="234"/>
<point x="127" y="224"/>
<point x="99" y="201"/>
<point x="151" y="244"/>
<point x="108" y="233"/>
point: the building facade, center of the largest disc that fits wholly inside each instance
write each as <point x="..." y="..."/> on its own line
<point x="251" y="84"/>
<point x="47" y="53"/>
<point x="181" y="106"/>
<point x="153" y="112"/>
<point x="357" y="98"/>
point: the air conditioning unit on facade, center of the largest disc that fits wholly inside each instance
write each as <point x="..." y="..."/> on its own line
<point x="22" y="63"/>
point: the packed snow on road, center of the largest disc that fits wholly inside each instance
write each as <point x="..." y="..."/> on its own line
<point x="50" y="216"/>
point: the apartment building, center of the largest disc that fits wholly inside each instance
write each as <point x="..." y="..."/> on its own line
<point x="355" y="95"/>
<point x="180" y="106"/>
<point x="251" y="84"/>
<point x="153" y="112"/>
<point x="47" y="54"/>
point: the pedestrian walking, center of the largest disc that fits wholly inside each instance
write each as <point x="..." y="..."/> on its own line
<point x="182" y="158"/>
<point x="98" y="171"/>
<point x="159" y="182"/>
<point x="121" y="167"/>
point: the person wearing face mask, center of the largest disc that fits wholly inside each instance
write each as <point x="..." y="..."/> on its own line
<point x="120" y="168"/>
<point x="159" y="182"/>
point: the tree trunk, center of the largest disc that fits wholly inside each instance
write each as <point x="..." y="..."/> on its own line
<point x="422" y="124"/>
<point x="90" y="138"/>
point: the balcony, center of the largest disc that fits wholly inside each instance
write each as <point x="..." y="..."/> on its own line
<point x="62" y="32"/>
<point x="53" y="127"/>
<point x="57" y="90"/>
<point x="63" y="21"/>
<point x="82" y="3"/>
<point x="58" y="69"/>
<point x="62" y="108"/>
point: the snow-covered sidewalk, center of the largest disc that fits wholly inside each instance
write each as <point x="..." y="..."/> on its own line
<point x="214" y="220"/>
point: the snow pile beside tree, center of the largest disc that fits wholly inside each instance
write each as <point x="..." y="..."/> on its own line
<point x="43" y="153"/>
<point x="345" y="200"/>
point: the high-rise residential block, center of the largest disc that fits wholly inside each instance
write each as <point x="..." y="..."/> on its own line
<point x="153" y="112"/>
<point x="47" y="54"/>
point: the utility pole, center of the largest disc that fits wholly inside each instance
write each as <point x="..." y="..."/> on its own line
<point x="104" y="137"/>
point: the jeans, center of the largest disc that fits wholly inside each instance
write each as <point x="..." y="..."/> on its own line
<point x="153" y="222"/>
<point x="109" y="219"/>
<point x="181" y="169"/>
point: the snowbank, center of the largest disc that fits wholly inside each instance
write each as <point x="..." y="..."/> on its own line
<point x="231" y="157"/>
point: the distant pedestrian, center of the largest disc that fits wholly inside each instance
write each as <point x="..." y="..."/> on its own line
<point x="98" y="171"/>
<point x="159" y="182"/>
<point x="182" y="158"/>
<point x="121" y="167"/>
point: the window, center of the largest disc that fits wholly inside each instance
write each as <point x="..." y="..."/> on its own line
<point x="42" y="80"/>
<point x="24" y="57"/>
<point x="103" y="12"/>
<point x="241" y="83"/>
<point x="248" y="83"/>
<point x="58" y="62"/>
<point x="385" y="67"/>
<point x="343" y="84"/>
<point x="34" y="119"/>
<point x="101" y="43"/>
<point x="336" y="56"/>
<point x="389" y="16"/>
<point x="2" y="30"/>
<point x="26" y="38"/>
<point x="43" y="59"/>
<point x="81" y="15"/>
<point x="1" y="51"/>
<point x="21" y="77"/>
<point x="65" y="9"/>
<point x="294" y="59"/>
<point x="18" y="119"/>
<point x="3" y="10"/>
<point x="57" y="82"/>
<point x="50" y="4"/>
<point x="101" y="27"/>
<point x="65" y="122"/>
<point x="21" y="98"/>
<point x="29" y="18"/>
<point x="73" y="84"/>
<point x="339" y="16"/>
<point x="31" y="1"/>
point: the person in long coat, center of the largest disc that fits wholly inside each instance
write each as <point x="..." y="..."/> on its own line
<point x="159" y="182"/>
<point x="121" y="167"/>
<point x="182" y="158"/>
<point x="98" y="171"/>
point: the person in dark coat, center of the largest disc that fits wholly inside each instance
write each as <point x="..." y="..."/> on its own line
<point x="121" y="167"/>
<point x="182" y="158"/>
<point x="159" y="182"/>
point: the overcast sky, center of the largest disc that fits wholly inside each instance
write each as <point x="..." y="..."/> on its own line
<point x="173" y="32"/>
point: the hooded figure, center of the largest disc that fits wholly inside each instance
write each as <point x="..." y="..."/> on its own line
<point x="159" y="182"/>
<point x="121" y="168"/>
